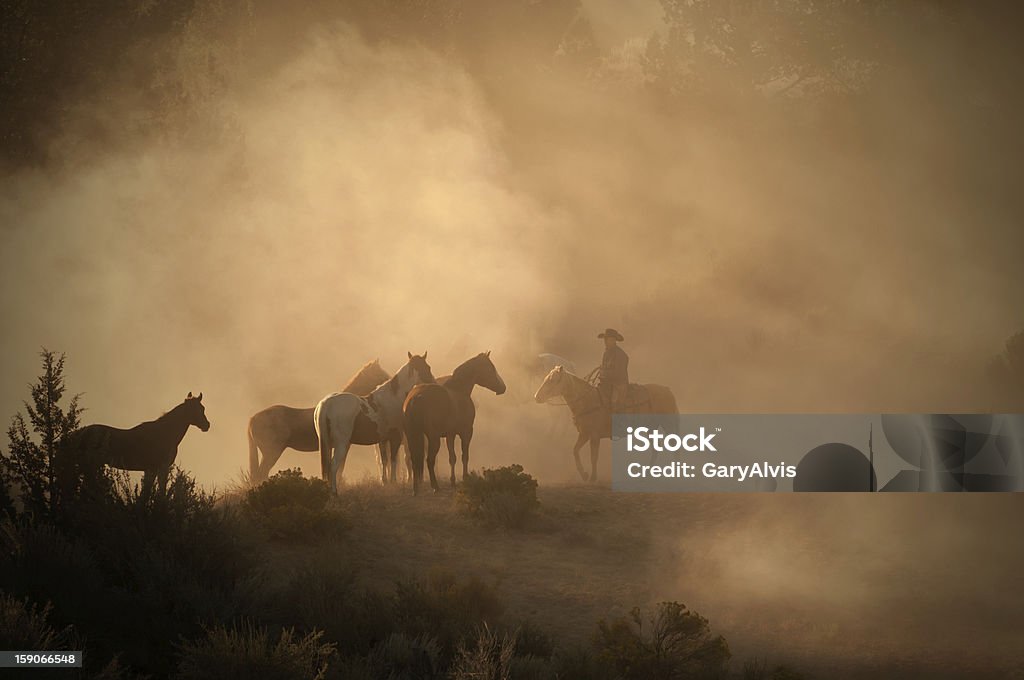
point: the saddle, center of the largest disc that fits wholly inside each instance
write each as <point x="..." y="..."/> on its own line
<point x="633" y="399"/>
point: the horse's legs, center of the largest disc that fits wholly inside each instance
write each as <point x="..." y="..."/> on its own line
<point x="338" y="467"/>
<point x="395" y="446"/>
<point x="466" y="437"/>
<point x="161" y="477"/>
<point x="580" y="441"/>
<point x="450" y="441"/>
<point x="408" y="459"/>
<point x="415" y="443"/>
<point x="433" y="445"/>
<point x="148" y="478"/>
<point x="382" y="457"/>
<point x="335" y="439"/>
<point x="270" y="458"/>
<point x="595" y="448"/>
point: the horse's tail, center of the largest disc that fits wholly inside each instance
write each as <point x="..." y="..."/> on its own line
<point x="323" y="433"/>
<point x="254" y="455"/>
<point x="415" y="434"/>
<point x="662" y="399"/>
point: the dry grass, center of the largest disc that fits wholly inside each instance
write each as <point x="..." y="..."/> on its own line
<point x="784" y="576"/>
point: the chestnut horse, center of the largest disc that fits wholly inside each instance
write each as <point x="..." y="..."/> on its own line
<point x="445" y="409"/>
<point x="277" y="428"/>
<point x="343" y="419"/>
<point x="593" y="419"/>
<point x="149" y="447"/>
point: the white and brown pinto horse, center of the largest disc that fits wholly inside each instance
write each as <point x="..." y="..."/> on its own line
<point x="342" y="419"/>
<point x="593" y="419"/>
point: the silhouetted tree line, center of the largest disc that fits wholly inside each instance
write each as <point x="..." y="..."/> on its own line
<point x="166" y="58"/>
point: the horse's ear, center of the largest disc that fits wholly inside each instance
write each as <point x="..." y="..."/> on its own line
<point x="424" y="355"/>
<point x="189" y="396"/>
<point x="409" y="353"/>
<point x="200" y="397"/>
<point x="487" y="353"/>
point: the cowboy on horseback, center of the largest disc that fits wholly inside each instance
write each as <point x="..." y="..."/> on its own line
<point x="613" y="376"/>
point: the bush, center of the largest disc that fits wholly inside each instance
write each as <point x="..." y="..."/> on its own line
<point x="488" y="657"/>
<point x="133" y="574"/>
<point x="757" y="669"/>
<point x="249" y="652"/>
<point x="504" y="497"/>
<point x="531" y="668"/>
<point x="578" y="663"/>
<point x="679" y="644"/>
<point x="531" y="640"/>
<point x="444" y="608"/>
<point x="291" y="507"/>
<point x="323" y="594"/>
<point x="41" y="563"/>
<point x="24" y="626"/>
<point x="400" y="657"/>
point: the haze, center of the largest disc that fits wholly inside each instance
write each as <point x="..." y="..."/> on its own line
<point x="254" y="203"/>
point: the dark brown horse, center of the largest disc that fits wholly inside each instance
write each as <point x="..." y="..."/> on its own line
<point x="277" y="428"/>
<point x="593" y="419"/>
<point x="150" y="447"/>
<point x="445" y="409"/>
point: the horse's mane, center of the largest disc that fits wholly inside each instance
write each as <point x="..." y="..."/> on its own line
<point x="460" y="371"/>
<point x="392" y="382"/>
<point x="171" y="410"/>
<point x="364" y="380"/>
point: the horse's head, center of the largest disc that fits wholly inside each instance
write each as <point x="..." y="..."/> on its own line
<point x="552" y="385"/>
<point x="196" y="412"/>
<point x="487" y="375"/>
<point x="418" y="369"/>
<point x="374" y="371"/>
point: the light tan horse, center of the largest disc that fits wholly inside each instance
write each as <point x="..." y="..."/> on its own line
<point x="277" y="428"/>
<point x="593" y="419"/>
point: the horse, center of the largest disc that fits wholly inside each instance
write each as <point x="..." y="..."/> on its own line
<point x="277" y="428"/>
<point x="445" y="409"/>
<point x="149" y="447"/>
<point x="540" y="367"/>
<point x="592" y="418"/>
<point x="342" y="419"/>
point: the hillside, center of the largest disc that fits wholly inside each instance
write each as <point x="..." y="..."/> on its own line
<point x="800" y="579"/>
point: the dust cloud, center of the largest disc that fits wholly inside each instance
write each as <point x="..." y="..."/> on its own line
<point x="349" y="186"/>
<point x="316" y="187"/>
<point x="925" y="583"/>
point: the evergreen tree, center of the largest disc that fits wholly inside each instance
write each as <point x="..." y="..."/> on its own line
<point x="30" y="466"/>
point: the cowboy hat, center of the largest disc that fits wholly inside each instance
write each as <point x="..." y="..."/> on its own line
<point x="611" y="333"/>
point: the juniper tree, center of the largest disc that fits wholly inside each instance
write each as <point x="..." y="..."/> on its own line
<point x="30" y="465"/>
